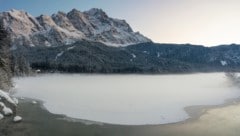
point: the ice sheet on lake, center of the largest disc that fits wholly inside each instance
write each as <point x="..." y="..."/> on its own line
<point x="127" y="99"/>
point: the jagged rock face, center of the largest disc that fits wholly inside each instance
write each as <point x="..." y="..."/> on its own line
<point x="66" y="28"/>
<point x="62" y="21"/>
<point x="20" y="25"/>
<point x="46" y="22"/>
<point x="108" y="30"/>
<point x="80" y="22"/>
<point x="56" y="34"/>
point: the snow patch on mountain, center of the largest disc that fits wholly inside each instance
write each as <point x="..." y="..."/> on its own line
<point x="158" y="54"/>
<point x="133" y="55"/>
<point x="70" y="48"/>
<point x="223" y="63"/>
<point x="59" y="55"/>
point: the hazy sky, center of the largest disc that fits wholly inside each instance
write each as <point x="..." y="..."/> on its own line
<point x="207" y="22"/>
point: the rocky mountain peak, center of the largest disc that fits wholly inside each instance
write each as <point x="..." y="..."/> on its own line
<point x="66" y="28"/>
<point x="74" y="10"/>
<point x="17" y="13"/>
<point x="60" y="13"/>
<point x="96" y="12"/>
<point x="46" y="21"/>
<point x="80" y="22"/>
<point x="62" y="21"/>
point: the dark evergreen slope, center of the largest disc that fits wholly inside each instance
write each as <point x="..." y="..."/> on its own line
<point x="200" y="58"/>
<point x="96" y="57"/>
<point x="5" y="71"/>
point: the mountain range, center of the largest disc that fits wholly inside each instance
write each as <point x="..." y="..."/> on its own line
<point x="93" y="42"/>
<point x="67" y="28"/>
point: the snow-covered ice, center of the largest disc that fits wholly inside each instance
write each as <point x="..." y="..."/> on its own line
<point x="127" y="99"/>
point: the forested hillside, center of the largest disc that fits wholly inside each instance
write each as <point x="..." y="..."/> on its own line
<point x="94" y="57"/>
<point x="5" y="69"/>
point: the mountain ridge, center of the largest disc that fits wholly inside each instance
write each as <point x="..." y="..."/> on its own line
<point x="59" y="45"/>
<point x="66" y="28"/>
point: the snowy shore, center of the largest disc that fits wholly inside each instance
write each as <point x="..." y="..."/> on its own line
<point x="221" y="120"/>
<point x="8" y="106"/>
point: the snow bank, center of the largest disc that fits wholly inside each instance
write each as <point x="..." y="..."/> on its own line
<point x="4" y="110"/>
<point x="15" y="100"/>
<point x="17" y="119"/>
<point x="2" y="104"/>
<point x="7" y="111"/>
<point x="6" y="96"/>
<point x="1" y="116"/>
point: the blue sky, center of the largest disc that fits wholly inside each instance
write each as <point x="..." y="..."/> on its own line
<point x="207" y="22"/>
<point x="36" y="7"/>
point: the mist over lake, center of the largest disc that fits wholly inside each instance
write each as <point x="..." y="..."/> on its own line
<point x="126" y="99"/>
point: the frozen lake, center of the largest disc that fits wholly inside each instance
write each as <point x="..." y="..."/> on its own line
<point x="126" y="99"/>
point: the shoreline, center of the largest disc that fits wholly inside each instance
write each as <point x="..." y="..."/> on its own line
<point x="194" y="112"/>
<point x="37" y="120"/>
